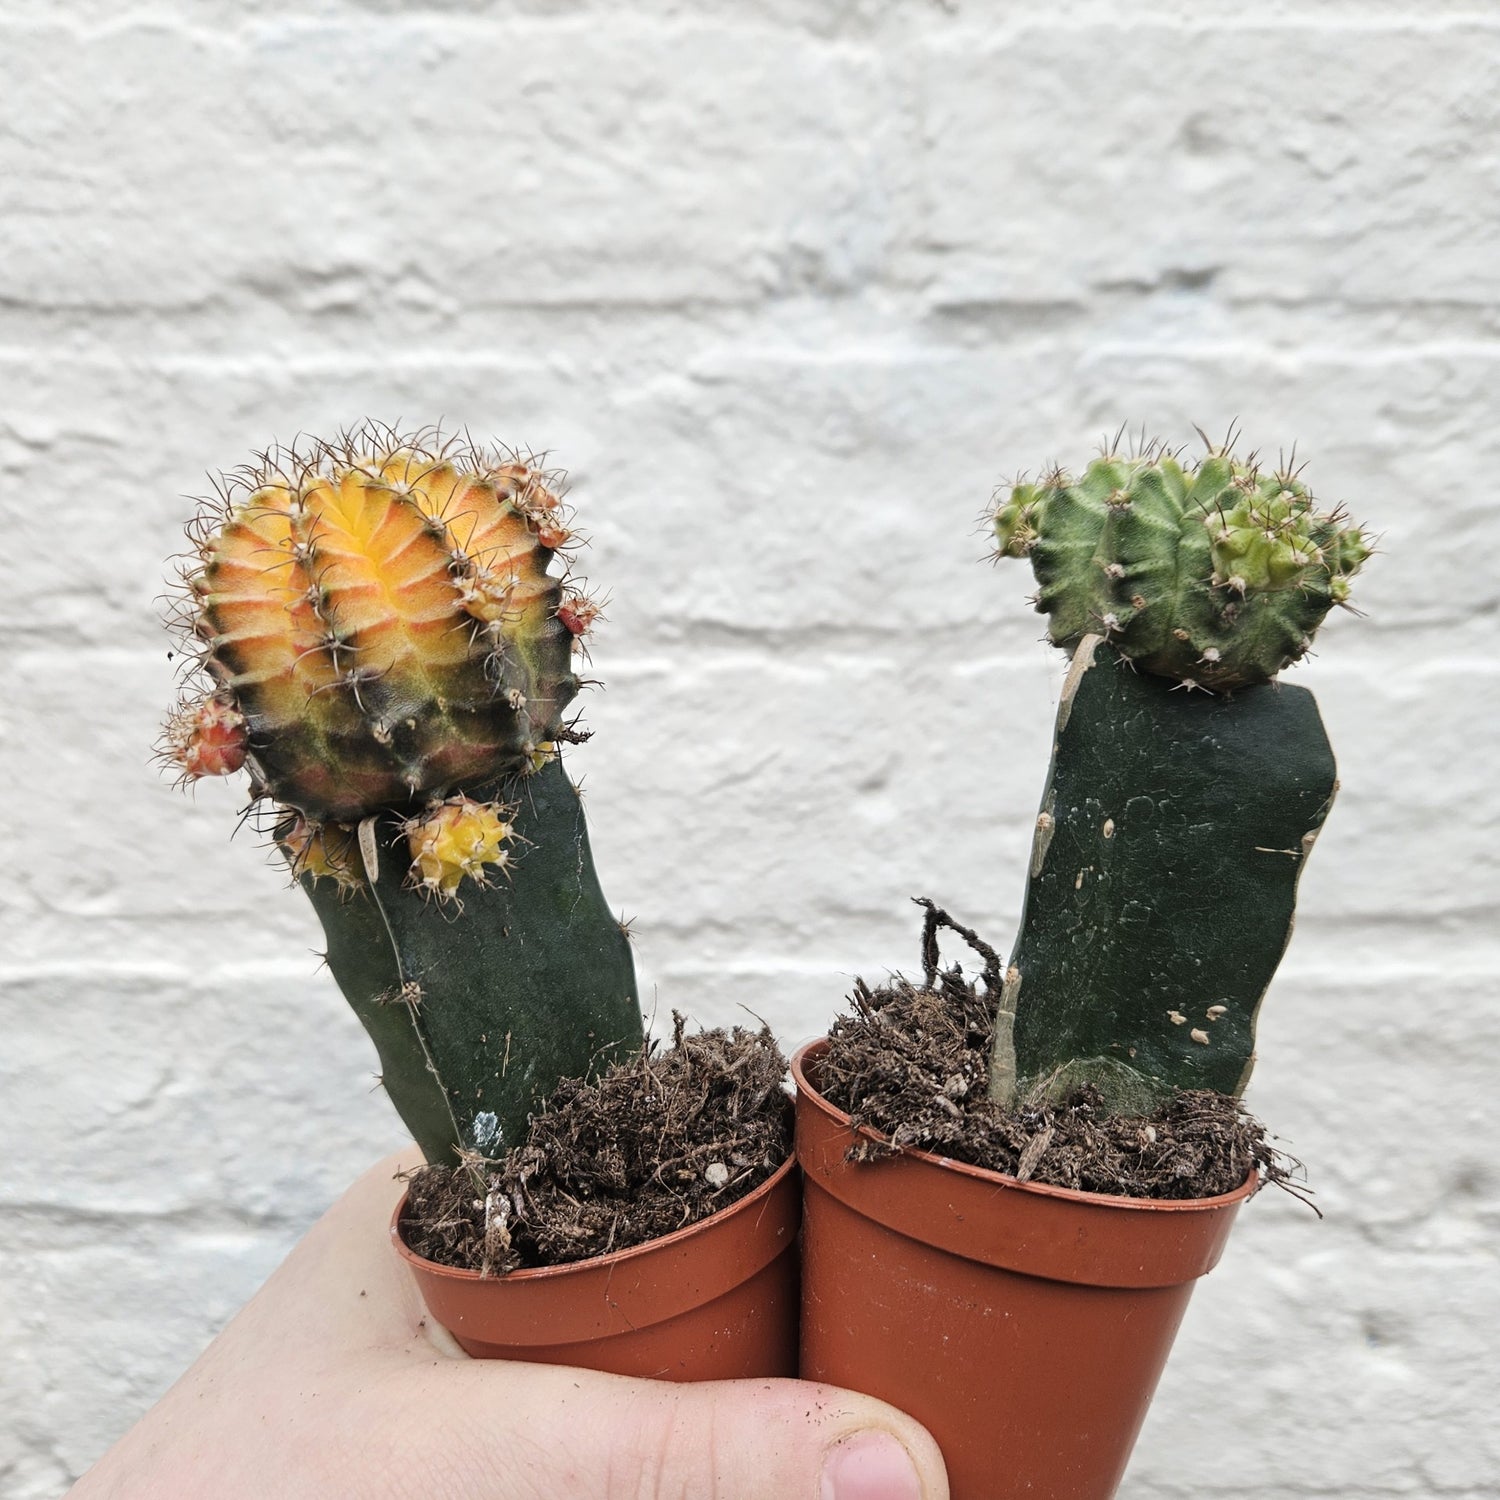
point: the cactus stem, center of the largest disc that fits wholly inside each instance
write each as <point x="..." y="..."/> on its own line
<point x="1145" y="850"/>
<point x="410" y="991"/>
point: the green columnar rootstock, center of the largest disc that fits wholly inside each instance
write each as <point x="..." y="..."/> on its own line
<point x="1173" y="831"/>
<point x="478" y="1010"/>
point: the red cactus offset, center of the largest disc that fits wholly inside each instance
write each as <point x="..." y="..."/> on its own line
<point x="206" y="738"/>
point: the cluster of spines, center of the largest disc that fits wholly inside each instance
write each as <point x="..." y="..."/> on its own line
<point x="1217" y="575"/>
<point x="375" y="626"/>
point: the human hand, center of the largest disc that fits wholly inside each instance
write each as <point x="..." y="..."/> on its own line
<point x="332" y="1383"/>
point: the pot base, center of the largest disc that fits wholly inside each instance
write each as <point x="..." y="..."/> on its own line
<point x="715" y="1301"/>
<point x="1024" y="1326"/>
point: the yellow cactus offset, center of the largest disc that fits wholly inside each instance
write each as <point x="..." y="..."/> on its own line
<point x="321" y="850"/>
<point x="456" y="839"/>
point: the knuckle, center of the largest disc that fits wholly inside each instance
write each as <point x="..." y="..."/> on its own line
<point x="677" y="1452"/>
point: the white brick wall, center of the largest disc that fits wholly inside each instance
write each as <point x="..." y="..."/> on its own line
<point x="788" y="284"/>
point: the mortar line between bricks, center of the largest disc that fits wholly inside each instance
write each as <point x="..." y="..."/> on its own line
<point x="1475" y="964"/>
<point x="439" y="360"/>
<point x="138" y="972"/>
<point x="1309" y="976"/>
<point x="885" y="34"/>
<point x="1106" y="17"/>
<point x="1419" y="1490"/>
<point x="424" y="21"/>
<point x="210" y="1218"/>
<point x="904" y="327"/>
<point x="830" y="647"/>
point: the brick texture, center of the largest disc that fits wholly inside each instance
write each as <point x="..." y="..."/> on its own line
<point x="789" y="286"/>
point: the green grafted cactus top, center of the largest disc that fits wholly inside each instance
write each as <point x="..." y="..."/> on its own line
<point x="1217" y="575"/>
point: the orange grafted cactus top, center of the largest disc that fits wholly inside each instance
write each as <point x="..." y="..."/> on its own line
<point x="382" y="614"/>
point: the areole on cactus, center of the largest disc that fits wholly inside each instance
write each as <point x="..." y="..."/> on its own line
<point x="381" y="643"/>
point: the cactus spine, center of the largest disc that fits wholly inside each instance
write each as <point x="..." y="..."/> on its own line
<point x="1175" y="824"/>
<point x="380" y="642"/>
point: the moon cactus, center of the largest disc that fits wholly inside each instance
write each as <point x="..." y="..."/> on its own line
<point x="1175" y="823"/>
<point x="380" y="639"/>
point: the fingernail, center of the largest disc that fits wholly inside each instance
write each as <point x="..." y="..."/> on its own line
<point x="870" y="1466"/>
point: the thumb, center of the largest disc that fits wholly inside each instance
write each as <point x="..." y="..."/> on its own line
<point x="603" y="1437"/>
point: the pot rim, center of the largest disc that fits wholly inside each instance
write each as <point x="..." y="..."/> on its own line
<point x="538" y="1275"/>
<point x="811" y="1052"/>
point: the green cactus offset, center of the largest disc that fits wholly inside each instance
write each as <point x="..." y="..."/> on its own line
<point x="376" y="635"/>
<point x="1187" y="787"/>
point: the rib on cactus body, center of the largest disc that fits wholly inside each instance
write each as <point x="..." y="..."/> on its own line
<point x="388" y="653"/>
<point x="1175" y="825"/>
<point x="1218" y="574"/>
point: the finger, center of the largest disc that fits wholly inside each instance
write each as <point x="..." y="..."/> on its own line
<point x="507" y="1431"/>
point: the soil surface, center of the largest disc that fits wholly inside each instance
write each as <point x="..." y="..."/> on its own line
<point x="654" y="1144"/>
<point x="912" y="1063"/>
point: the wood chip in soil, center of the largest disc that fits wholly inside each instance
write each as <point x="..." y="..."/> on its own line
<point x="652" y="1145"/>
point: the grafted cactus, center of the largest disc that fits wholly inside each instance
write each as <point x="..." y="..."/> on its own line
<point x="379" y="640"/>
<point x="1175" y="822"/>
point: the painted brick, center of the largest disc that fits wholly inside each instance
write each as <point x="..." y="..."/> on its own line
<point x="1285" y="163"/>
<point x="499" y="162"/>
<point x="788" y="285"/>
<point x="99" y="1321"/>
<point x="255" y="1093"/>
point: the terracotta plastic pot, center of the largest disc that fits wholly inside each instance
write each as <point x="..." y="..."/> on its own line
<point x="714" y="1301"/>
<point x="1026" y="1326"/>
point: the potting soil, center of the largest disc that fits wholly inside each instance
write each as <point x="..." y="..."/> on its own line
<point x="911" y="1063"/>
<point x="653" y="1145"/>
